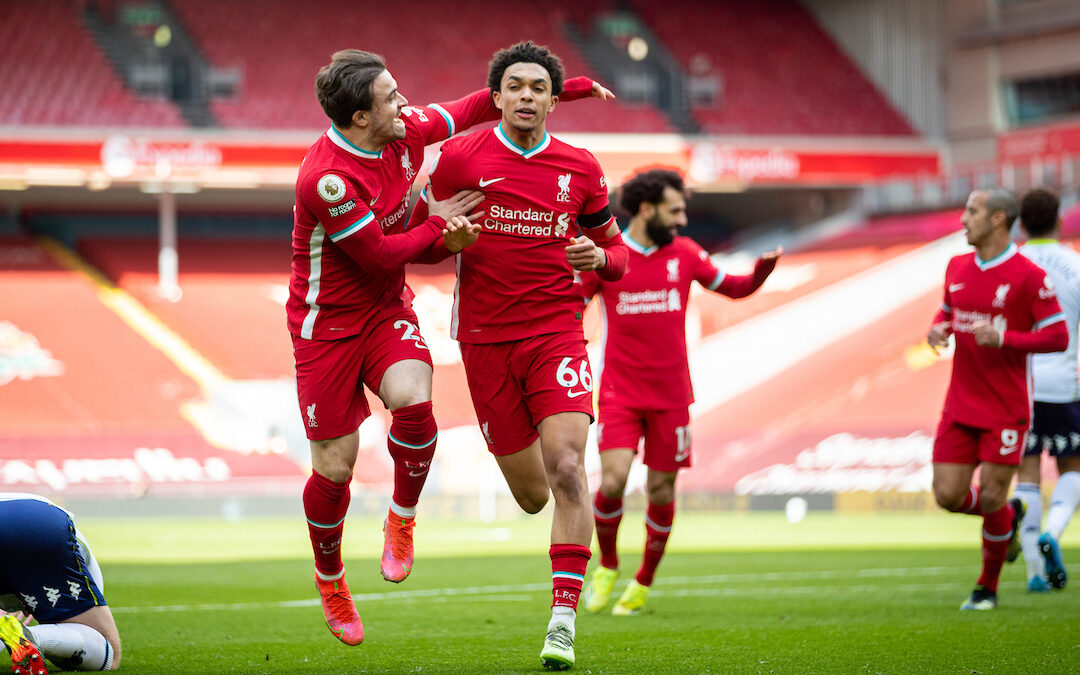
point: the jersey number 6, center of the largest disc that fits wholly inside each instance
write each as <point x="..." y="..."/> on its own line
<point x="570" y="379"/>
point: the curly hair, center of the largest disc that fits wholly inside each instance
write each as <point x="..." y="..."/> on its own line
<point x="526" y="52"/>
<point x="648" y="186"/>
<point x="344" y="85"/>
<point x="1039" y="212"/>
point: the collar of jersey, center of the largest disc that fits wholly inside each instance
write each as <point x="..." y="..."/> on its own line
<point x="1009" y="252"/>
<point x="1040" y="242"/>
<point x="633" y="245"/>
<point x="514" y="147"/>
<point x="339" y="140"/>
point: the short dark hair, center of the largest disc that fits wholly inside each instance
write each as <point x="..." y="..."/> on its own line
<point x="526" y="52"/>
<point x="1039" y="212"/>
<point x="1000" y="199"/>
<point x="344" y="85"/>
<point x="648" y="186"/>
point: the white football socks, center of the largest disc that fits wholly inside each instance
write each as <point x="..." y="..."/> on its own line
<point x="1063" y="503"/>
<point x="74" y="646"/>
<point x="403" y="511"/>
<point x="562" y="615"/>
<point x="1031" y="528"/>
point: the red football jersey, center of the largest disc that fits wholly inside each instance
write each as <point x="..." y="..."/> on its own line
<point x="644" y="323"/>
<point x="342" y="189"/>
<point x="515" y="281"/>
<point x="991" y="387"/>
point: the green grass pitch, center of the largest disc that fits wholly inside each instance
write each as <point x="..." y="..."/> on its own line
<point x="736" y="593"/>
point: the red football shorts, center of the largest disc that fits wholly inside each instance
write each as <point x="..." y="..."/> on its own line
<point x="957" y="443"/>
<point x="331" y="374"/>
<point x="516" y="384"/>
<point x="666" y="432"/>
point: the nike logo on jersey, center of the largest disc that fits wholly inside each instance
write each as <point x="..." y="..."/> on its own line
<point x="955" y="287"/>
<point x="575" y="394"/>
<point x="374" y="199"/>
<point x="485" y="183"/>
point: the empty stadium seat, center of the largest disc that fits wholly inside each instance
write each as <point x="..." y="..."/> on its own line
<point x="781" y="74"/>
<point x="52" y="74"/>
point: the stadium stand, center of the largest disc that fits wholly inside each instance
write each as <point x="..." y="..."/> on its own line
<point x="91" y="405"/>
<point x="432" y="50"/>
<point x="781" y="74"/>
<point x="45" y="43"/>
<point x="884" y="231"/>
<point x="232" y="291"/>
<point x="113" y="379"/>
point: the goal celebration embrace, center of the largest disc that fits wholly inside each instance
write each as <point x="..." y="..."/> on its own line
<point x="598" y="337"/>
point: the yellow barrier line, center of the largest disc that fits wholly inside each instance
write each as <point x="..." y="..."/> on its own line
<point x="140" y="319"/>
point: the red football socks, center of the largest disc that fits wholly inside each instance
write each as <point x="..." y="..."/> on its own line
<point x="568" y="563"/>
<point x="607" y="511"/>
<point x="996" y="533"/>
<point x="412" y="445"/>
<point x="971" y="502"/>
<point x="325" y="506"/>
<point x="658" y="519"/>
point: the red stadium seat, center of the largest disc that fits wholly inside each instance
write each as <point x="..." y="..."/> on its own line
<point x="781" y="73"/>
<point x="46" y="43"/>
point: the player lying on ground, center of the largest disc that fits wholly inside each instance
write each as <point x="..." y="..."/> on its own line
<point x="48" y="574"/>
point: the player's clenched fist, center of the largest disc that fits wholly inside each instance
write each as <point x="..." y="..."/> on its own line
<point x="938" y="337"/>
<point x="584" y="254"/>
<point x="986" y="335"/>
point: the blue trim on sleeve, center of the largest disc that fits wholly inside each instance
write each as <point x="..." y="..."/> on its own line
<point x="1060" y="316"/>
<point x="720" y="276"/>
<point x="355" y="227"/>
<point x="446" y="116"/>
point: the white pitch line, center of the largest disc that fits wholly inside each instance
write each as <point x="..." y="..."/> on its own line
<point x="517" y="592"/>
<point x="807" y="575"/>
<point x="800" y="590"/>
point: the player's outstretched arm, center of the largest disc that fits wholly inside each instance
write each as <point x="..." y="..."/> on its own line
<point x="742" y="286"/>
<point x="478" y="107"/>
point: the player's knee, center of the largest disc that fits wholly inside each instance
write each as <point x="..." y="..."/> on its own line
<point x="567" y="479"/>
<point x="661" y="494"/>
<point x="532" y="500"/>
<point x="337" y="472"/>
<point x="948" y="499"/>
<point x="613" y="487"/>
<point x="991" y="499"/>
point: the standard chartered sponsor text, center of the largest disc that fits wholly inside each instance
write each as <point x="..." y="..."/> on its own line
<point x="527" y="222"/>
<point x="648" y="302"/>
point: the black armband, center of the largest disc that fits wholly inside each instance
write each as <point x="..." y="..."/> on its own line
<point x="588" y="221"/>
